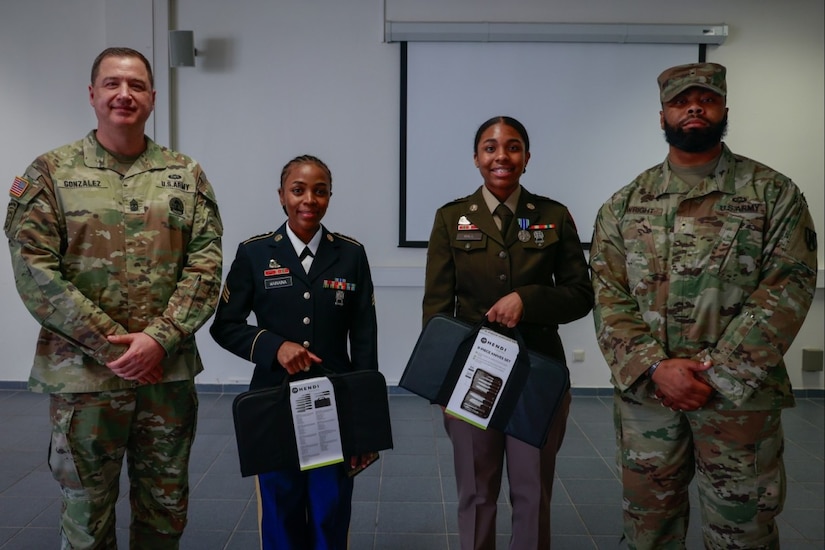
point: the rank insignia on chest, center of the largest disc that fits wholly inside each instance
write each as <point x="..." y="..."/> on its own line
<point x="176" y="206"/>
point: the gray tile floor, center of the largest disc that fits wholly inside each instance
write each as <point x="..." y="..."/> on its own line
<point x="407" y="500"/>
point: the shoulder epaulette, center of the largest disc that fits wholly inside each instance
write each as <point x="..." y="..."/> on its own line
<point x="543" y="198"/>
<point x="258" y="237"/>
<point x="456" y="201"/>
<point x="348" y="239"/>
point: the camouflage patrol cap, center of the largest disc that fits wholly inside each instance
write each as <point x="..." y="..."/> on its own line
<point x="676" y="80"/>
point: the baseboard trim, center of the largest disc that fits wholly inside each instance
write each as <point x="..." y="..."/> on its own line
<point x="397" y="390"/>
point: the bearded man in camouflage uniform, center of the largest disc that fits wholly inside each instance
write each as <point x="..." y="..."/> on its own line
<point x="704" y="268"/>
<point x="116" y="248"/>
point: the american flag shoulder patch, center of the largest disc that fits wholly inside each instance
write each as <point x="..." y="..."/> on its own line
<point x="18" y="187"/>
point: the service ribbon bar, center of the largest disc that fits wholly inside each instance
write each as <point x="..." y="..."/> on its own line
<point x="339" y="284"/>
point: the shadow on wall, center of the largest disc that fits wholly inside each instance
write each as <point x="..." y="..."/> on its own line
<point x="217" y="54"/>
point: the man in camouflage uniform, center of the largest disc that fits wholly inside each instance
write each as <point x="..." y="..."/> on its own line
<point x="704" y="268"/>
<point x="116" y="248"/>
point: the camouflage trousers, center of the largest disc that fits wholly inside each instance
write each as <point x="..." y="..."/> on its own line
<point x="154" y="426"/>
<point x="736" y="457"/>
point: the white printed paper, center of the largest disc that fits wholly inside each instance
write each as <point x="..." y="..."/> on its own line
<point x="315" y="418"/>
<point x="484" y="375"/>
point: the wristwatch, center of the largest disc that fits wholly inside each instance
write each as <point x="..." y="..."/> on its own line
<point x="653" y="368"/>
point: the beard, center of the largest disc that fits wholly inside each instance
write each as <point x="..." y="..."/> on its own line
<point x="696" y="140"/>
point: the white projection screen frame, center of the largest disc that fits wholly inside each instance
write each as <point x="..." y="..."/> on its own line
<point x="591" y="111"/>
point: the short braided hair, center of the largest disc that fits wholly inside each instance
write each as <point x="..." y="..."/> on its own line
<point x="305" y="159"/>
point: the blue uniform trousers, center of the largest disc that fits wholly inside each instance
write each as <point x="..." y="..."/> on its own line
<point x="305" y="510"/>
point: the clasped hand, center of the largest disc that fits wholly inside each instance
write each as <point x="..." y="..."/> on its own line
<point x="141" y="362"/>
<point x="678" y="386"/>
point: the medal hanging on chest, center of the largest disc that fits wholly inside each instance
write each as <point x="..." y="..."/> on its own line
<point x="523" y="234"/>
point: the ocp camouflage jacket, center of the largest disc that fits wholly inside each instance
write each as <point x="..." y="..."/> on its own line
<point x="96" y="253"/>
<point x="724" y="271"/>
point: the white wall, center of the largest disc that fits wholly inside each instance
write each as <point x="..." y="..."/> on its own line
<point x="276" y="79"/>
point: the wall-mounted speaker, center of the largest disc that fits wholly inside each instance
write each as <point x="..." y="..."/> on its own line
<point x="181" y="48"/>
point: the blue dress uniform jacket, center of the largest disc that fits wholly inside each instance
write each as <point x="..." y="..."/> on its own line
<point x="323" y="310"/>
<point x="331" y="311"/>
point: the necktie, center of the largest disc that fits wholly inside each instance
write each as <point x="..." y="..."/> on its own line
<point x="505" y="215"/>
<point x="306" y="258"/>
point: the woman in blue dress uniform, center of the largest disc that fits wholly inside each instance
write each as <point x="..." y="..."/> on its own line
<point x="312" y="296"/>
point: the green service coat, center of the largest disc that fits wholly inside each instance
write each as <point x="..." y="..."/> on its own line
<point x="470" y="266"/>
